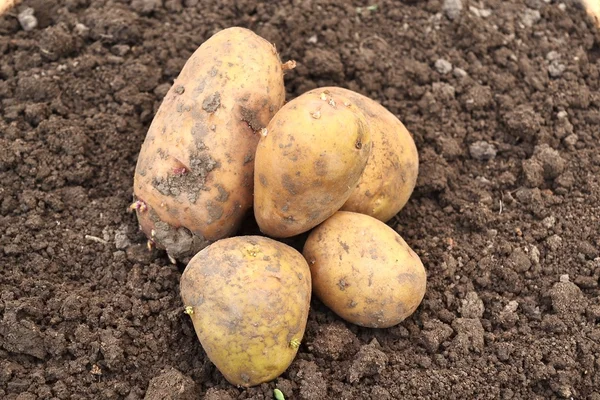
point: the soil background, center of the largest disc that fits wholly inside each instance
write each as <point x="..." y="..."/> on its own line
<point x="503" y="100"/>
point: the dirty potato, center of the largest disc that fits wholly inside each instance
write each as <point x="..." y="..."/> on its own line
<point x="308" y="162"/>
<point x="364" y="271"/>
<point x="194" y="175"/>
<point x="391" y="172"/>
<point x="248" y="298"/>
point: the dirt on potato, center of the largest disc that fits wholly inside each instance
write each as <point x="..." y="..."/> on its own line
<point x="503" y="99"/>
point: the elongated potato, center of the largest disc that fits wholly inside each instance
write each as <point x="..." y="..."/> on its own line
<point x="364" y="271"/>
<point x="391" y="172"/>
<point x="248" y="297"/>
<point x="308" y="162"/>
<point x="194" y="176"/>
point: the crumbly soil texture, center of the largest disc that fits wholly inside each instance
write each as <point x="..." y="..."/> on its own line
<point x="502" y="97"/>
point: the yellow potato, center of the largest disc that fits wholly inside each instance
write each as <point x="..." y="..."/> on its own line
<point x="248" y="297"/>
<point x="308" y="162"/>
<point x="391" y="172"/>
<point x="194" y="176"/>
<point x="364" y="271"/>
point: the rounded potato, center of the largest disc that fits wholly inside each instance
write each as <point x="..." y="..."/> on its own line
<point x="308" y="162"/>
<point x="364" y="271"/>
<point x="248" y="297"/>
<point x="391" y="172"/>
<point x="194" y="176"/>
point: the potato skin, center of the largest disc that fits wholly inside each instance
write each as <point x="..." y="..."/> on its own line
<point x="194" y="176"/>
<point x="308" y="163"/>
<point x="250" y="298"/>
<point x="391" y="173"/>
<point x="364" y="271"/>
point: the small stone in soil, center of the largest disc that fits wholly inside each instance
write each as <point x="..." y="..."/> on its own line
<point x="452" y="8"/>
<point x="530" y="17"/>
<point x="556" y="69"/>
<point x="459" y="73"/>
<point x="121" y="239"/>
<point x="485" y="12"/>
<point x="482" y="151"/>
<point x="472" y="306"/>
<point x="571" y="140"/>
<point x="27" y="20"/>
<point x="549" y="221"/>
<point x="443" y="66"/>
<point x="81" y="29"/>
<point x="552" y="55"/>
<point x="554" y="242"/>
<point x="508" y="316"/>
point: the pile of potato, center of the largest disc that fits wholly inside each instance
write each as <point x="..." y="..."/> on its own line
<point x="331" y="163"/>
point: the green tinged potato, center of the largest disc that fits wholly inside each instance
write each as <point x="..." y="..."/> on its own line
<point x="391" y="172"/>
<point x="248" y="297"/>
<point x="308" y="162"/>
<point x="364" y="271"/>
<point x="194" y="177"/>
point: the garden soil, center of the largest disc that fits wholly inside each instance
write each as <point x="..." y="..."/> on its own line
<point x="502" y="97"/>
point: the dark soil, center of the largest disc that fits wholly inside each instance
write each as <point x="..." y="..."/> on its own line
<point x="506" y="214"/>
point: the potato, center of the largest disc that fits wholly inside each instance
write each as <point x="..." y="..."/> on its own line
<point x="194" y="176"/>
<point x="248" y="297"/>
<point x="308" y="162"/>
<point x="364" y="271"/>
<point x="391" y="172"/>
